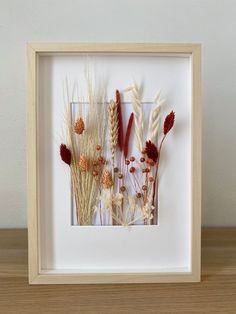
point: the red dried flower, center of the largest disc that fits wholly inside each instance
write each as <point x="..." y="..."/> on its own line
<point x="127" y="135"/>
<point x="65" y="154"/>
<point x="152" y="151"/>
<point x="120" y="123"/>
<point x="169" y="122"/>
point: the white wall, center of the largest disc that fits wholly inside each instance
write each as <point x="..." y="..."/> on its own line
<point x="210" y="22"/>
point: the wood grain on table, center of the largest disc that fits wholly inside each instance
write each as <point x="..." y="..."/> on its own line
<point x="215" y="294"/>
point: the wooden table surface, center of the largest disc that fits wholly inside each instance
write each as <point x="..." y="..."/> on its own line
<point x="215" y="294"/>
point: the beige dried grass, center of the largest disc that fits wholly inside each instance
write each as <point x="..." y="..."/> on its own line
<point x="113" y="128"/>
<point x="85" y="187"/>
<point x="138" y="114"/>
<point x="154" y="119"/>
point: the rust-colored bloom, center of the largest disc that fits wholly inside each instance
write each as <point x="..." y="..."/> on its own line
<point x="83" y="163"/>
<point x="79" y="126"/>
<point x="65" y="154"/>
<point x="151" y="151"/>
<point x="169" y="122"/>
<point x="107" y="179"/>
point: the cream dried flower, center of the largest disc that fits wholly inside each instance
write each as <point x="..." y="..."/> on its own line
<point x="108" y="199"/>
<point x="117" y="199"/>
<point x="132" y="202"/>
<point x="146" y="211"/>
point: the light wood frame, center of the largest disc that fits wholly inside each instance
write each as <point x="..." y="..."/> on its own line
<point x="35" y="274"/>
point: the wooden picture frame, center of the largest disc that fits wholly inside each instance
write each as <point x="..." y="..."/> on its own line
<point x="36" y="274"/>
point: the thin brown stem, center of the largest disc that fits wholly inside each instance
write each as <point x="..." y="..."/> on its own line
<point x="155" y="186"/>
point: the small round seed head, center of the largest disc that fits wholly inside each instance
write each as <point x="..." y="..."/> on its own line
<point x="120" y="175"/>
<point x="132" y="158"/>
<point x="122" y="188"/>
<point x="95" y="173"/>
<point x="127" y="162"/>
<point x="102" y="160"/>
<point x="151" y="179"/>
<point x="132" y="170"/>
<point x="116" y="169"/>
<point x="138" y="195"/>
<point x="144" y="187"/>
<point x="142" y="159"/>
<point x="95" y="162"/>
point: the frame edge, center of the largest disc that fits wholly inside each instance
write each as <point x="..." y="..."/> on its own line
<point x="35" y="277"/>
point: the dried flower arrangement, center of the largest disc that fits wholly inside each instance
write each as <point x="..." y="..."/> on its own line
<point x="110" y="187"/>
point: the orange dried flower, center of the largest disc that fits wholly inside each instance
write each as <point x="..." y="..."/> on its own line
<point x="79" y="126"/>
<point x="83" y="163"/>
<point x="107" y="179"/>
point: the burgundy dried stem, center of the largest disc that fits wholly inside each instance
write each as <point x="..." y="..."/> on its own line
<point x="127" y="135"/>
<point x="154" y="220"/>
<point x="168" y="125"/>
<point x="120" y="123"/>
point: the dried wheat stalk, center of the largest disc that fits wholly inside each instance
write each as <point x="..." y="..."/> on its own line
<point x="154" y="120"/>
<point x="85" y="188"/>
<point x="138" y="115"/>
<point x="113" y="139"/>
<point x="113" y="128"/>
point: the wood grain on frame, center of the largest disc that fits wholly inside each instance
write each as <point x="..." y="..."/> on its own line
<point x="36" y="275"/>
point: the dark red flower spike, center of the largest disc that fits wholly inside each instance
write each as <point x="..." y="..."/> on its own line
<point x="127" y="135"/>
<point x="65" y="154"/>
<point x="151" y="151"/>
<point x="169" y="122"/>
<point x="120" y="123"/>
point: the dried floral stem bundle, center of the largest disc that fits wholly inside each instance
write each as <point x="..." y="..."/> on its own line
<point x="83" y="136"/>
<point x="110" y="186"/>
